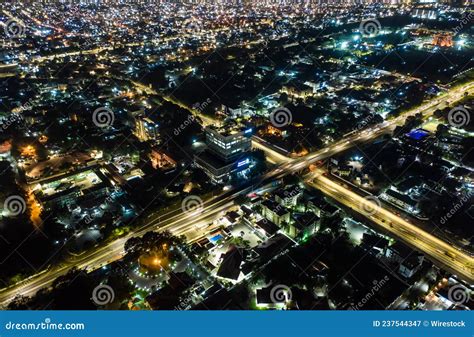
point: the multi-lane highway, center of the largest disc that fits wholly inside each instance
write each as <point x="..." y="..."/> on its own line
<point x="184" y="223"/>
<point x="439" y="251"/>
<point x="177" y="222"/>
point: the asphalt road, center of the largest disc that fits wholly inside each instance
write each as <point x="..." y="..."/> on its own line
<point x="178" y="222"/>
<point x="450" y="257"/>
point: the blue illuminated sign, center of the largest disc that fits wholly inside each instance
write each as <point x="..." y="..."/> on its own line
<point x="243" y="162"/>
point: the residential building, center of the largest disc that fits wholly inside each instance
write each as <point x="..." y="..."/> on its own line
<point x="276" y="213"/>
<point x="225" y="153"/>
<point x="400" y="200"/>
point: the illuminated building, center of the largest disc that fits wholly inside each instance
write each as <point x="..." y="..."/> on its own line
<point x="443" y="40"/>
<point x="295" y="93"/>
<point x="160" y="160"/>
<point x="69" y="188"/>
<point x="226" y="151"/>
<point x="145" y="129"/>
<point x="400" y="200"/>
<point x="228" y="143"/>
<point x="275" y="213"/>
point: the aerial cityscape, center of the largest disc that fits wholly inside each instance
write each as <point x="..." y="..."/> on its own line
<point x="237" y="155"/>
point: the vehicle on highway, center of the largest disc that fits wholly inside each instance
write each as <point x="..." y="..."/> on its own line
<point x="450" y="254"/>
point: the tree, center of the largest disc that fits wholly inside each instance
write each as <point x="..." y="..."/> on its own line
<point x="331" y="223"/>
<point x="133" y="245"/>
<point x="20" y="302"/>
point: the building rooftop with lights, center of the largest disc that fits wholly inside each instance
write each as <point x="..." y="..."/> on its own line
<point x="226" y="149"/>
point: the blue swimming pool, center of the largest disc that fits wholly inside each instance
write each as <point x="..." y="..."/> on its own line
<point x="216" y="238"/>
<point x="418" y="134"/>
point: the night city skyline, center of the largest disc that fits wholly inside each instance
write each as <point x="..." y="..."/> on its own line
<point x="237" y="155"/>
